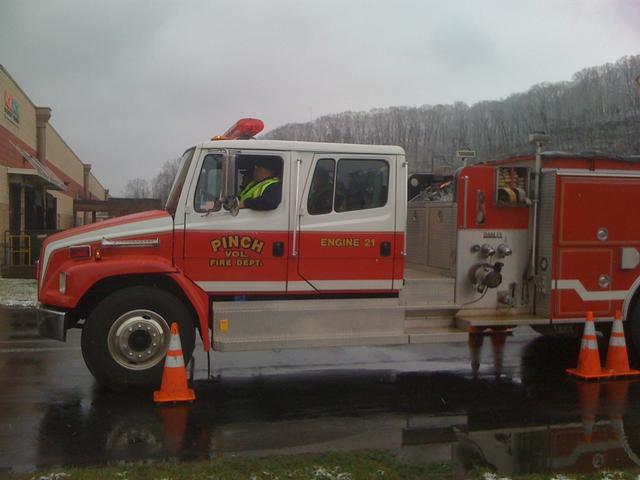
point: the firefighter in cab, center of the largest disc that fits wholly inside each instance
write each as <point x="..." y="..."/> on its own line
<point x="264" y="191"/>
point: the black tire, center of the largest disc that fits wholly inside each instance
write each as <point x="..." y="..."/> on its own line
<point x="632" y="330"/>
<point x="565" y="330"/>
<point x="131" y="323"/>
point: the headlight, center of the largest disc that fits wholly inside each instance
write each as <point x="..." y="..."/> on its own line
<point x="62" y="282"/>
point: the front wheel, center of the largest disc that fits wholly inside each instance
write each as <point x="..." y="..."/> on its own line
<point x="126" y="337"/>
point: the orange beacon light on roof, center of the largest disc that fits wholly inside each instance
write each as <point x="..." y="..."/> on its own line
<point x="243" y="129"/>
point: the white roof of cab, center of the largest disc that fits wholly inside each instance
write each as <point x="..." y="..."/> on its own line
<point x="286" y="145"/>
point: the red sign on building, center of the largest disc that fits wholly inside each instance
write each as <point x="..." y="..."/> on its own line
<point x="11" y="108"/>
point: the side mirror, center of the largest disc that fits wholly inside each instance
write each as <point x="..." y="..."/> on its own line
<point x="212" y="206"/>
<point x="232" y="205"/>
<point x="215" y="206"/>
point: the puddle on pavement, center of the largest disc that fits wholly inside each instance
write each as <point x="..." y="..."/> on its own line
<point x="509" y="426"/>
<point x="18" y="323"/>
<point x="527" y="417"/>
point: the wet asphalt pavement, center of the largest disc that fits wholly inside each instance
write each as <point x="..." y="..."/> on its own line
<point x="516" y="412"/>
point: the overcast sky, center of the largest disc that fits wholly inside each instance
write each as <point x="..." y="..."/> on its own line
<point x="134" y="83"/>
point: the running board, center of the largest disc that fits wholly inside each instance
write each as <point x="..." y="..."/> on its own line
<point x="431" y="308"/>
<point x="413" y="337"/>
<point x="267" y="325"/>
<point x="256" y="325"/>
<point x="276" y="343"/>
<point x="290" y="324"/>
<point x="437" y="335"/>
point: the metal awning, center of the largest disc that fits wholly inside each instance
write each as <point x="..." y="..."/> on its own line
<point x="40" y="174"/>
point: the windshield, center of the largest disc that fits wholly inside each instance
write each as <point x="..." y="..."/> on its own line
<point x="178" y="182"/>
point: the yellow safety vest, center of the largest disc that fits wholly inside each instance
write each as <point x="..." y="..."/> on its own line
<point x="255" y="190"/>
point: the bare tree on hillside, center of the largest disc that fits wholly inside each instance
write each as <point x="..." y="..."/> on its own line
<point x="599" y="109"/>
<point x="161" y="184"/>
<point x="137" y="188"/>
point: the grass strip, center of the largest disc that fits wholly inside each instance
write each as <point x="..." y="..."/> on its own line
<point x="327" y="466"/>
<point x="370" y="465"/>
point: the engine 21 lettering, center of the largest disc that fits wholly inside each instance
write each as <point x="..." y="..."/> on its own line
<point x="347" y="242"/>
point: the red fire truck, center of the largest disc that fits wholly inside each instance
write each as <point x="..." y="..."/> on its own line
<point x="344" y="260"/>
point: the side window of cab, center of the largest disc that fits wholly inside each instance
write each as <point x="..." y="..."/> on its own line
<point x="259" y="180"/>
<point x="321" y="191"/>
<point x="210" y="183"/>
<point x="348" y="184"/>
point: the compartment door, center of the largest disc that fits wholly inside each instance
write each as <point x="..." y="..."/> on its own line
<point x="581" y="282"/>
<point x="595" y="221"/>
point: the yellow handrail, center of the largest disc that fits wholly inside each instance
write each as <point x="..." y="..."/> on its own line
<point x="22" y="251"/>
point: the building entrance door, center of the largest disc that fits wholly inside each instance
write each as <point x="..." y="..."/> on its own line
<point x="15" y="192"/>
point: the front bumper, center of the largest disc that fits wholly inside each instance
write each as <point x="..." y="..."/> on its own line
<point x="52" y="323"/>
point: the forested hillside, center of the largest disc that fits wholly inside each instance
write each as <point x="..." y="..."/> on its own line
<point x="599" y="109"/>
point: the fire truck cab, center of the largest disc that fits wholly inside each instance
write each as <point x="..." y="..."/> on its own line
<point x="529" y="241"/>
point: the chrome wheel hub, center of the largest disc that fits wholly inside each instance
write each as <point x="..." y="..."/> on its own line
<point x="138" y="340"/>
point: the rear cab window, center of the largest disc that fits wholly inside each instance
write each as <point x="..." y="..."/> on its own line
<point x="347" y="185"/>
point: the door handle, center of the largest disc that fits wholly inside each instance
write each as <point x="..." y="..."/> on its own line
<point x="296" y="227"/>
<point x="385" y="249"/>
<point x="278" y="249"/>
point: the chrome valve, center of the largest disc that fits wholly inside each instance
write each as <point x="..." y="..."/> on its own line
<point x="487" y="250"/>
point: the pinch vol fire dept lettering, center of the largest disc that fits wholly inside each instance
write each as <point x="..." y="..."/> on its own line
<point x="244" y="242"/>
<point x="237" y="250"/>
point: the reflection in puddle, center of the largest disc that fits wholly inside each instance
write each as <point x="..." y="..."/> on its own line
<point x="423" y="418"/>
<point x="602" y="438"/>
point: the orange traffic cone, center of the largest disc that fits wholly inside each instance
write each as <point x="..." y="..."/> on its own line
<point x="174" y="377"/>
<point x="617" y="356"/>
<point x="589" y="399"/>
<point x="616" y="401"/>
<point x="589" y="358"/>
<point x="476" y="339"/>
<point x="174" y="420"/>
<point x="498" y="340"/>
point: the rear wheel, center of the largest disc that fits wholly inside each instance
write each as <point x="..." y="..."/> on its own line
<point x="632" y="330"/>
<point x="564" y="330"/>
<point x="127" y="334"/>
<point x="570" y="330"/>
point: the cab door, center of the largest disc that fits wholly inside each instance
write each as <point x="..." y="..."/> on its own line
<point x="233" y="255"/>
<point x="347" y="224"/>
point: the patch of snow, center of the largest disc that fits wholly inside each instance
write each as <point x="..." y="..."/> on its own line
<point x="18" y="292"/>
<point x="322" y="473"/>
<point x="612" y="475"/>
<point x="493" y="476"/>
<point x="18" y="303"/>
<point x="53" y="476"/>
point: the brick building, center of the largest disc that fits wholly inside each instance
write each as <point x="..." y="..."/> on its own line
<point x="40" y="176"/>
